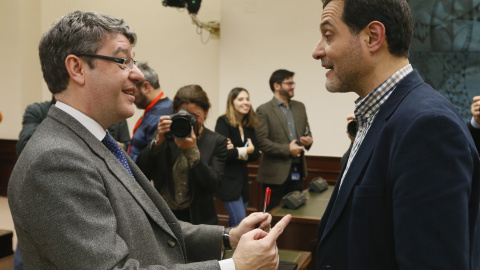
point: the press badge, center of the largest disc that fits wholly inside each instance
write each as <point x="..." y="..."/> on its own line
<point x="295" y="176"/>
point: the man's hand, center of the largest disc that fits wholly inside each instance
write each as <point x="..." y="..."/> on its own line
<point x="254" y="220"/>
<point x="295" y="149"/>
<point x="257" y="249"/>
<point x="188" y="142"/>
<point x="476" y="109"/>
<point x="229" y="144"/>
<point x="250" y="147"/>
<point x="306" y="140"/>
<point x="163" y="127"/>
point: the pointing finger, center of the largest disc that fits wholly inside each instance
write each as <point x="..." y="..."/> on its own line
<point x="276" y="231"/>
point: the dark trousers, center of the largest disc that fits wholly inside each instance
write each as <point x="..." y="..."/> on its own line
<point x="278" y="191"/>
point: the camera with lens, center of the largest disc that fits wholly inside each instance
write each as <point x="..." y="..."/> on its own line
<point x="352" y="128"/>
<point x="182" y="123"/>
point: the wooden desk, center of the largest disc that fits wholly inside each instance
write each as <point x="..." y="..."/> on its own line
<point x="302" y="258"/>
<point x="301" y="232"/>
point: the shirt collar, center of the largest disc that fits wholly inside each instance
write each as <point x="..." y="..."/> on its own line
<point x="280" y="103"/>
<point x="369" y="106"/>
<point x="86" y="121"/>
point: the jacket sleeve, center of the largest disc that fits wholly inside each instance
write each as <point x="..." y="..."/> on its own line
<point x="432" y="196"/>
<point x="147" y="159"/>
<point x="224" y="128"/>
<point x="256" y="153"/>
<point x="32" y="117"/>
<point x="209" y="176"/>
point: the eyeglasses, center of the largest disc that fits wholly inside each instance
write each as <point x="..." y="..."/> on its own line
<point x="124" y="62"/>
<point x="289" y="83"/>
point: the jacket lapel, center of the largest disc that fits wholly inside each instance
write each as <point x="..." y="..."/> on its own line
<point x="133" y="185"/>
<point x="364" y="153"/>
<point x="297" y="116"/>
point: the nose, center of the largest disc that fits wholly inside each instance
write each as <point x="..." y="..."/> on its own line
<point x="136" y="75"/>
<point x="318" y="51"/>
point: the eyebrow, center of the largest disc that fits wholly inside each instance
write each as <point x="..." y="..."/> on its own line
<point x="124" y="50"/>
<point x="327" y="22"/>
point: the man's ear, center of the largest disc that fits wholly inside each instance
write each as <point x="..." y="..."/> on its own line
<point x="276" y="86"/>
<point x="376" y="36"/>
<point x="147" y="86"/>
<point x="75" y="67"/>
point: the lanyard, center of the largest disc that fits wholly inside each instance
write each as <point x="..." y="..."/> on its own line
<point x="150" y="106"/>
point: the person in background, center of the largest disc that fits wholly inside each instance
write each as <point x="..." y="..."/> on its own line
<point x="78" y="201"/>
<point x="187" y="171"/>
<point x="237" y="124"/>
<point x="474" y="124"/>
<point x="409" y="195"/>
<point x="152" y="99"/>
<point x="283" y="136"/>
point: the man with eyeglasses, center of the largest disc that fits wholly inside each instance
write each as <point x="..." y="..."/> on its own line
<point x="78" y="201"/>
<point x="283" y="136"/>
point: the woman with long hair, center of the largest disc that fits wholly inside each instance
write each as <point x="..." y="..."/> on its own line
<point x="237" y="124"/>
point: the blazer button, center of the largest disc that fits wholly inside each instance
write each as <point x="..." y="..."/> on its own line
<point x="171" y="243"/>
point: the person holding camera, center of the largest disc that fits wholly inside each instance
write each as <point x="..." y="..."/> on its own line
<point x="237" y="124"/>
<point x="185" y="159"/>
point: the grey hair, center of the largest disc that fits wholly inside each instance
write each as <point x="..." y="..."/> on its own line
<point x="150" y="75"/>
<point x="76" y="33"/>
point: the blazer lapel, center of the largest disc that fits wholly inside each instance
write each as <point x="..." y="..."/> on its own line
<point x="297" y="116"/>
<point x="133" y="185"/>
<point x="365" y="151"/>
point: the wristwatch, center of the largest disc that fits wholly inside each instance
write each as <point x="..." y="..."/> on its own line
<point x="226" y="238"/>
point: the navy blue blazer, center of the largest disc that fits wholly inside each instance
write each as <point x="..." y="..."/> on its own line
<point x="410" y="199"/>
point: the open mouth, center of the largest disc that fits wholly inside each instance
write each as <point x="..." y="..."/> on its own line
<point x="128" y="92"/>
<point x="330" y="67"/>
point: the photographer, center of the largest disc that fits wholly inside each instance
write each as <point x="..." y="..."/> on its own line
<point x="186" y="170"/>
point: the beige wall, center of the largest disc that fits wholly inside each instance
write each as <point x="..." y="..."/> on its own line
<point x="257" y="37"/>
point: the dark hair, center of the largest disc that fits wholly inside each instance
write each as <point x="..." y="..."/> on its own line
<point x="150" y="75"/>
<point x="278" y="76"/>
<point x="393" y="14"/>
<point x="249" y="120"/>
<point x="191" y="94"/>
<point x="76" y="33"/>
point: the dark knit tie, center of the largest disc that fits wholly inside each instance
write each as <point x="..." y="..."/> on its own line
<point x="112" y="145"/>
